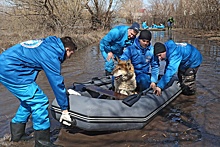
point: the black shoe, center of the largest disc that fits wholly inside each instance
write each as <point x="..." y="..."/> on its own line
<point x="18" y="132"/>
<point x="42" y="138"/>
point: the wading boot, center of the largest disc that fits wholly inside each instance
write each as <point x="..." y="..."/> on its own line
<point x="42" y="139"/>
<point x="18" y="132"/>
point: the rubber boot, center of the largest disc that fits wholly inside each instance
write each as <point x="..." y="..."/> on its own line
<point x="18" y="132"/>
<point x="42" y="139"/>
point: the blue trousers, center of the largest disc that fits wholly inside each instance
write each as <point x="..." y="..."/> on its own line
<point x="32" y="102"/>
<point x="109" y="65"/>
<point x="143" y="81"/>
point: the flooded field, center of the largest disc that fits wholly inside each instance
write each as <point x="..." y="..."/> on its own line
<point x="187" y="121"/>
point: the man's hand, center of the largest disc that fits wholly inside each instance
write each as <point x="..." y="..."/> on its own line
<point x="65" y="118"/>
<point x="157" y="91"/>
<point x="153" y="85"/>
<point x="110" y="56"/>
<point x="71" y="91"/>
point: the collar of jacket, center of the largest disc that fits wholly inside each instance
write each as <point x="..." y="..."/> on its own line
<point x="138" y="45"/>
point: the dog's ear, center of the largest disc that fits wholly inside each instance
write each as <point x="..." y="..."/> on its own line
<point x="128" y="62"/>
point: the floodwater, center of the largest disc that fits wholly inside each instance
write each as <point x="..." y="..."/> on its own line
<point x="187" y="121"/>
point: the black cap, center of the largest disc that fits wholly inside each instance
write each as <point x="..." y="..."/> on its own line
<point x="135" y="26"/>
<point x="145" y="34"/>
<point x="159" y="48"/>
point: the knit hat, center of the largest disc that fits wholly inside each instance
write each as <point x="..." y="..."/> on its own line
<point x="135" y="26"/>
<point x="145" y="34"/>
<point x="159" y="48"/>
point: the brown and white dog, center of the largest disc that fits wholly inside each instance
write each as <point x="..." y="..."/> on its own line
<point x="124" y="77"/>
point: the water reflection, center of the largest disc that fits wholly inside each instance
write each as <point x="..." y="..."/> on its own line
<point x="158" y="34"/>
<point x="162" y="36"/>
<point x="170" y="35"/>
<point x="209" y="50"/>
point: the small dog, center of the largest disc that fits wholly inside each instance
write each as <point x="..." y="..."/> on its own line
<point x="124" y="77"/>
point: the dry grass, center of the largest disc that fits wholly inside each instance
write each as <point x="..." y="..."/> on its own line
<point x="82" y="40"/>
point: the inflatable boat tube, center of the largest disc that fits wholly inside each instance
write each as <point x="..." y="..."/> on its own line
<point x="94" y="111"/>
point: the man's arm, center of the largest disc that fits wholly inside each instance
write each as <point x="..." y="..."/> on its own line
<point x="52" y="69"/>
<point x="108" y="40"/>
<point x="172" y="67"/>
<point x="154" y="69"/>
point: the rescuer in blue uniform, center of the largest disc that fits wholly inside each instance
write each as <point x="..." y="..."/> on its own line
<point x="144" y="25"/>
<point x="182" y="58"/>
<point x="20" y="65"/>
<point x="113" y="43"/>
<point x="170" y="22"/>
<point x="146" y="65"/>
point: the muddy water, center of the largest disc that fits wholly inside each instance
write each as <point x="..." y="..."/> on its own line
<point x="187" y="121"/>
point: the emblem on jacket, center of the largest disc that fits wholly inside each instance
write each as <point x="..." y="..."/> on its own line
<point x="148" y="58"/>
<point x="181" y="44"/>
<point x="31" y="43"/>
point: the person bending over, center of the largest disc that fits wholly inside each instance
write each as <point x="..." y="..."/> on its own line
<point x="183" y="58"/>
<point x="113" y="43"/>
<point x="20" y="65"/>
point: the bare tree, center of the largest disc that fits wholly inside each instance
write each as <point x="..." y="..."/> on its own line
<point x="160" y="11"/>
<point x="202" y="14"/>
<point x="59" y="15"/>
<point x="52" y="14"/>
<point x="101" y="12"/>
<point x="130" y="10"/>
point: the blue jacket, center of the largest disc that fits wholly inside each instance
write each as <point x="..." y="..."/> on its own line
<point x="115" y="41"/>
<point x="143" y="59"/>
<point x="179" y="56"/>
<point x="21" y="63"/>
<point x="144" y="25"/>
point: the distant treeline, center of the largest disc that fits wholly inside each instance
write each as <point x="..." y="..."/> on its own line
<point x="199" y="14"/>
<point x="82" y="16"/>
